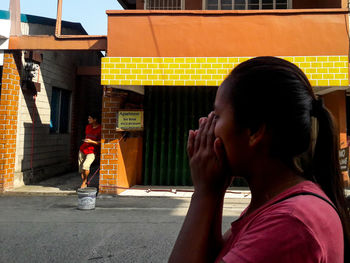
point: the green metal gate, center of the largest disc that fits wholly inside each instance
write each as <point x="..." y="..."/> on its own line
<point x="169" y="113"/>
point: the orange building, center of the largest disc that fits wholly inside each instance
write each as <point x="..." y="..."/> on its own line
<point x="167" y="58"/>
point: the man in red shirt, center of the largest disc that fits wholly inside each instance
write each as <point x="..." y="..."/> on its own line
<point x="88" y="149"/>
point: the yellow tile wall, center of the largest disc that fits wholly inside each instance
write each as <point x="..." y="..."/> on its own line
<point x="210" y="71"/>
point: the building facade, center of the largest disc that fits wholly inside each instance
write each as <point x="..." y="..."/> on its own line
<point x="167" y="58"/>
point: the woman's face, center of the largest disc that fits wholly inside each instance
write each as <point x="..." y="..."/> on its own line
<point x="235" y="139"/>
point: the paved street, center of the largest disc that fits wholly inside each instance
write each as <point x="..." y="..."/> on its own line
<point x="120" y="229"/>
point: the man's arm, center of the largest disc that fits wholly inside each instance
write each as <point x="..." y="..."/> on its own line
<point x="92" y="141"/>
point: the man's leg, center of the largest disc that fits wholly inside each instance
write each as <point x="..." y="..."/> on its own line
<point x="84" y="176"/>
<point x="81" y="159"/>
<point x="86" y="168"/>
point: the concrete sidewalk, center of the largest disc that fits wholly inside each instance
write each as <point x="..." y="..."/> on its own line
<point x="68" y="184"/>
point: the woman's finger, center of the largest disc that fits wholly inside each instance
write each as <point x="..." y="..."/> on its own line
<point x="197" y="140"/>
<point x="190" y="143"/>
<point x="210" y="134"/>
<point x="219" y="151"/>
<point x="207" y="131"/>
<point x="203" y="137"/>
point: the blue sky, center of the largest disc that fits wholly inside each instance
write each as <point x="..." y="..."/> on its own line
<point x="90" y="13"/>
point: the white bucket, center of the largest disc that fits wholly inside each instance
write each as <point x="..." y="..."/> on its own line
<point x="86" y="198"/>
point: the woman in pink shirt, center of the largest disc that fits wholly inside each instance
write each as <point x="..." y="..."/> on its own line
<point x="261" y="129"/>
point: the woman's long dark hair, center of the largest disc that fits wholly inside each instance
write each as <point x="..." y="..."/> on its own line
<point x="276" y="93"/>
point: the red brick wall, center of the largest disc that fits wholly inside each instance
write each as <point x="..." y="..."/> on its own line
<point x="10" y="89"/>
<point x="112" y="101"/>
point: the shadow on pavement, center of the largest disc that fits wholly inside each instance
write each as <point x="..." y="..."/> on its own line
<point x="72" y="181"/>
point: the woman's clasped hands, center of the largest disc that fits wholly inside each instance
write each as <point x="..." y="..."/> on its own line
<point x="207" y="157"/>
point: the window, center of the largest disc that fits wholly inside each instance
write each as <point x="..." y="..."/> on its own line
<point x="60" y="104"/>
<point x="163" y="4"/>
<point x="247" y="4"/>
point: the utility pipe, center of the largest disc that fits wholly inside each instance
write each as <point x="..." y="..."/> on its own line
<point x="15" y="18"/>
<point x="59" y="27"/>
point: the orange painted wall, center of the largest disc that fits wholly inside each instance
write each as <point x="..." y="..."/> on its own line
<point x="336" y="103"/>
<point x="130" y="162"/>
<point x="227" y="34"/>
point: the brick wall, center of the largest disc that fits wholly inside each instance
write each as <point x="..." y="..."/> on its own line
<point x="10" y="89"/>
<point x="112" y="101"/>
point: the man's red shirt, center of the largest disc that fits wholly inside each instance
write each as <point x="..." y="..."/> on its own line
<point x="92" y="134"/>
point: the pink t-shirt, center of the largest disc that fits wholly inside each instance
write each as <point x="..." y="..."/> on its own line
<point x="303" y="228"/>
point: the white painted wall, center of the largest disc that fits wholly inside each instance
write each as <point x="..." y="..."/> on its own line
<point x="4" y="35"/>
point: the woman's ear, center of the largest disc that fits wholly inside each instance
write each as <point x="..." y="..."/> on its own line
<point x="257" y="136"/>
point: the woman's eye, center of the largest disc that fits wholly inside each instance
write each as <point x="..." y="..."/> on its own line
<point x="216" y="117"/>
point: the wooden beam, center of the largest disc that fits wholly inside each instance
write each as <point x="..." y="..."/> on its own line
<point x="44" y="42"/>
<point x="89" y="71"/>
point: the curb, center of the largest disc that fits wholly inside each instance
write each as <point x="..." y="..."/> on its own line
<point x="13" y="193"/>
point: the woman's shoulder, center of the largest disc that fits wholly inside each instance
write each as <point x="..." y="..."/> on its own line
<point x="306" y="202"/>
<point x="274" y="235"/>
<point x="303" y="228"/>
<point x="306" y="217"/>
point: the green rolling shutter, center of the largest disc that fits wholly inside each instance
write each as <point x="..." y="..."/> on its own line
<point x="169" y="113"/>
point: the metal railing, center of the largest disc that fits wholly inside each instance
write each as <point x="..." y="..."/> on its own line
<point x="163" y="5"/>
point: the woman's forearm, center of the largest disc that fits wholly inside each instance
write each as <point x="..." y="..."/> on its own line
<point x="197" y="240"/>
<point x="200" y="238"/>
<point x="216" y="237"/>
